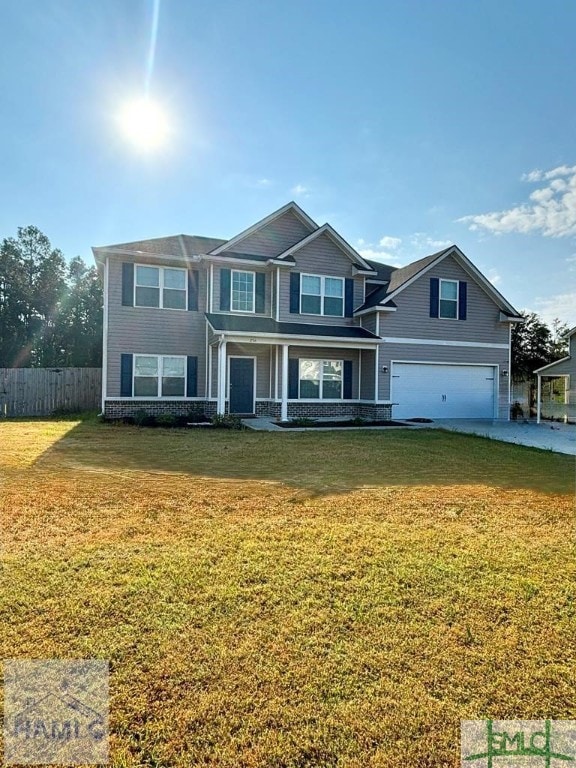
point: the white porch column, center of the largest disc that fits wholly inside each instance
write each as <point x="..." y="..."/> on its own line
<point x="284" y="406"/>
<point x="221" y="400"/>
<point x="538" y="396"/>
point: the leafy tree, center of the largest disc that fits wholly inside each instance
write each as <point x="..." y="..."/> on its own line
<point x="535" y="344"/>
<point x="50" y="311"/>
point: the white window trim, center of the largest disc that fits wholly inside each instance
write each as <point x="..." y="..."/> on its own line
<point x="323" y="279"/>
<point x="160" y="359"/>
<point x="320" y="398"/>
<point x="243" y="272"/>
<point x="440" y="299"/>
<point x="161" y="287"/>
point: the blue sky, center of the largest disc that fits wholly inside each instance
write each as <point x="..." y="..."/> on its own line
<point x="405" y="124"/>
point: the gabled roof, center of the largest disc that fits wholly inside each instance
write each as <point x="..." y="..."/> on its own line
<point x="291" y="206"/>
<point x="383" y="271"/>
<point x="551" y="365"/>
<point x="339" y="241"/>
<point x="247" y="324"/>
<point x="403" y="277"/>
<point x="180" y="246"/>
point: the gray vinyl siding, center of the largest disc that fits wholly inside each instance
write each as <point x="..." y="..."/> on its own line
<point x="367" y="365"/>
<point x="561" y="367"/>
<point x="314" y="353"/>
<point x="274" y="238"/>
<point x="320" y="257"/>
<point x="369" y="322"/>
<point x="412" y="318"/>
<point x="267" y="294"/>
<point x="146" y="330"/>
<point x="443" y="354"/>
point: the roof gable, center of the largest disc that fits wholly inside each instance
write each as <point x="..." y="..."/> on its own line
<point x="327" y="231"/>
<point x="265" y="235"/>
<point x="402" y="278"/>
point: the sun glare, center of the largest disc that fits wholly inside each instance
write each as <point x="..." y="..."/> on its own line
<point x="144" y="124"/>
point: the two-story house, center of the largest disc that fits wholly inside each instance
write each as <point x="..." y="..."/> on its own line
<point x="287" y="319"/>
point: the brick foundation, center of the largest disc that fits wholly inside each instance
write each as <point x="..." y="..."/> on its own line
<point x="323" y="410"/>
<point x="118" y="409"/>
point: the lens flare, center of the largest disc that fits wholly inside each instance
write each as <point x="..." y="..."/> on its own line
<point x="144" y="124"/>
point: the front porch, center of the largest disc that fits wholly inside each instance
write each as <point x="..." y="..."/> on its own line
<point x="291" y="378"/>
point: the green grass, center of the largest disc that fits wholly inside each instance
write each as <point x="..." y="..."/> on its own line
<point x="292" y="600"/>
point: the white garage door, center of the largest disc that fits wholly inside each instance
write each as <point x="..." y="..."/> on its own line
<point x="442" y="391"/>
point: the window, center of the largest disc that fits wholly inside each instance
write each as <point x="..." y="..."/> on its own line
<point x="163" y="287"/>
<point x="159" y="376"/>
<point x="242" y="291"/>
<point x="321" y="379"/>
<point x="322" y="295"/>
<point x="449" y="299"/>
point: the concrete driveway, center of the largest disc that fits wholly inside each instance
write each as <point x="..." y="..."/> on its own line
<point x="548" y="435"/>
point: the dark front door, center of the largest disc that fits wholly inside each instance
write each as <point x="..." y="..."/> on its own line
<point x="241" y="385"/>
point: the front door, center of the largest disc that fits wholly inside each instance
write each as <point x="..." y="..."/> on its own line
<point x="241" y="385"/>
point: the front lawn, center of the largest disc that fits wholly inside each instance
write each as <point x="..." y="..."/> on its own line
<point x="292" y="599"/>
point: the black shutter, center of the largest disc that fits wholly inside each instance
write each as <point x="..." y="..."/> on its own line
<point x="127" y="284"/>
<point x="462" y="299"/>
<point x="349" y="298"/>
<point x="260" y="292"/>
<point x="193" y="290"/>
<point x="225" y="290"/>
<point x="191" y="376"/>
<point x="293" y="368"/>
<point x="347" y="380"/>
<point x="295" y="293"/>
<point x="434" y="297"/>
<point x="126" y="376"/>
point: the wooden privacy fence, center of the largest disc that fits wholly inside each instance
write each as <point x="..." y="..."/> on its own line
<point x="41" y="391"/>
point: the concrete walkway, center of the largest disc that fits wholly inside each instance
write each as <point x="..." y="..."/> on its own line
<point x="548" y="435"/>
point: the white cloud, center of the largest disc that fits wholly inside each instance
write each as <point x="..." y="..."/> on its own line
<point x="300" y="189"/>
<point x="376" y="253"/>
<point x="423" y="241"/>
<point x="538" y="175"/>
<point x="389" y="242"/>
<point x="494" y="277"/>
<point x="550" y="210"/>
<point x="263" y="182"/>
<point x="562" y="305"/>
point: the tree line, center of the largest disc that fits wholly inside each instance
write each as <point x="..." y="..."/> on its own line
<point x="51" y="312"/>
<point x="50" y="308"/>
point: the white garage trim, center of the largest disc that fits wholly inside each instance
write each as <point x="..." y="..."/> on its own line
<point x="443" y="343"/>
<point x="396" y="391"/>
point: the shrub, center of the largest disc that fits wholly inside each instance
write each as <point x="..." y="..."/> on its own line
<point x="516" y="410"/>
<point x="166" y="420"/>
<point x="358" y="421"/>
<point x="227" y="421"/>
<point x="302" y="421"/>
<point x="195" y="414"/>
<point x="143" y="419"/>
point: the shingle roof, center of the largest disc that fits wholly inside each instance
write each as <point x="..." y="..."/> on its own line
<point x="174" y="245"/>
<point x="384" y="271"/>
<point x="402" y="275"/>
<point x="396" y="277"/>
<point x="375" y="297"/>
<point x="221" y="322"/>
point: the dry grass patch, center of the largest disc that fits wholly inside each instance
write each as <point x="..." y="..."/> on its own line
<point x="335" y="599"/>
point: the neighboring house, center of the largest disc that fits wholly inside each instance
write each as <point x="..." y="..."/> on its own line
<point x="564" y="369"/>
<point x="286" y="319"/>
